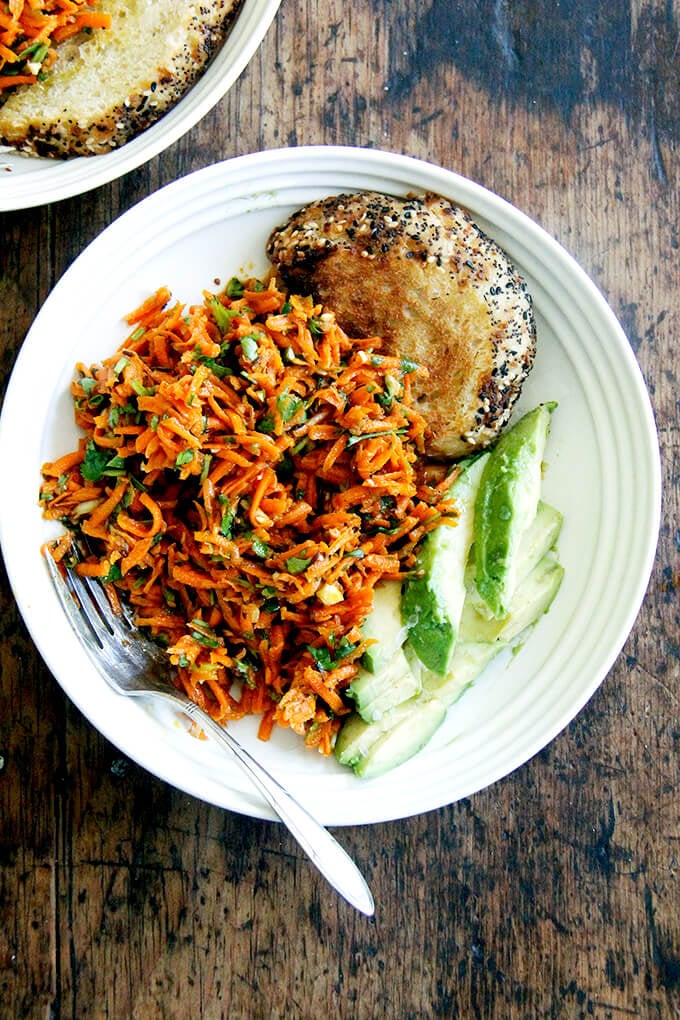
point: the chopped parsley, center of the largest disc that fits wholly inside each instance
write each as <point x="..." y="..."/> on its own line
<point x="297" y="564"/>
<point x="327" y="659"/>
<point x="234" y="288"/>
<point x="288" y="405"/>
<point x="93" y="466"/>
<point x="221" y="315"/>
<point x="260" y="548"/>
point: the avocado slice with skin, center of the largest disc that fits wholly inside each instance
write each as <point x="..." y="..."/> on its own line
<point x="531" y="600"/>
<point x="540" y="536"/>
<point x="432" y="599"/>
<point x="470" y="659"/>
<point x="373" y="748"/>
<point x="506" y="504"/>
<point x="489" y="609"/>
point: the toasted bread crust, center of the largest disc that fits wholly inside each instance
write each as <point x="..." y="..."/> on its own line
<point x="106" y="88"/>
<point x="421" y="274"/>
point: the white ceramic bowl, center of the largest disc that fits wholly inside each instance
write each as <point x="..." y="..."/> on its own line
<point x="27" y="181"/>
<point x="603" y="473"/>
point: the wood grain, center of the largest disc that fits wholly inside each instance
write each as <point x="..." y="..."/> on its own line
<point x="552" y="894"/>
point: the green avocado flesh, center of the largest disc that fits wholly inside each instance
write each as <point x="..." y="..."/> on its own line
<point x="432" y="600"/>
<point x="478" y="587"/>
<point x="506" y="505"/>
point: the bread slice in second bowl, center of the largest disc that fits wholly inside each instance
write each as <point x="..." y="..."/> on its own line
<point x="108" y="86"/>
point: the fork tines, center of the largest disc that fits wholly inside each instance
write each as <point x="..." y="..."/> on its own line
<point x="85" y="604"/>
<point x="106" y="634"/>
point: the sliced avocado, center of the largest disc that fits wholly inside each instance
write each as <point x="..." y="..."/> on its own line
<point x="383" y="626"/>
<point x="377" y="693"/>
<point x="432" y="600"/>
<point x="374" y="748"/>
<point x="540" y="536"/>
<point x="355" y="738"/>
<point x="506" y="504"/>
<point x="470" y="658"/>
<point x="531" y="599"/>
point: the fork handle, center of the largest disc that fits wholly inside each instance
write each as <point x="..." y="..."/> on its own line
<point x="321" y="847"/>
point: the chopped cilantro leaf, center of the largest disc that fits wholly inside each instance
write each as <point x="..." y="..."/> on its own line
<point x="221" y="371"/>
<point x="114" y="573"/>
<point x="94" y="464"/>
<point x="288" y="405"/>
<point x="266" y="424"/>
<point x="344" y="648"/>
<point x="234" y="288"/>
<point x="327" y="659"/>
<point x="297" y="564"/>
<point x="260" y="548"/>
<point x="221" y="315"/>
<point x="322" y="657"/>
<point x="115" y="466"/>
<point x="227" y="521"/>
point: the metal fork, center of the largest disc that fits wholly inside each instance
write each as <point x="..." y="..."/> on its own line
<point x="133" y="665"/>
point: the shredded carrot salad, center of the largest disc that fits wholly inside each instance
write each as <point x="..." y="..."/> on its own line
<point x="30" y="28"/>
<point x="248" y="474"/>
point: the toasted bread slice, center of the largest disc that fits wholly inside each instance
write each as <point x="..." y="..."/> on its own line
<point x="108" y="86"/>
<point x="421" y="274"/>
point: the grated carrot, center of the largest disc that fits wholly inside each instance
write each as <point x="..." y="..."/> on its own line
<point x="239" y="457"/>
<point x="29" y="30"/>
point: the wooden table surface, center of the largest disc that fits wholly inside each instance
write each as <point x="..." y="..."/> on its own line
<point x="552" y="894"/>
